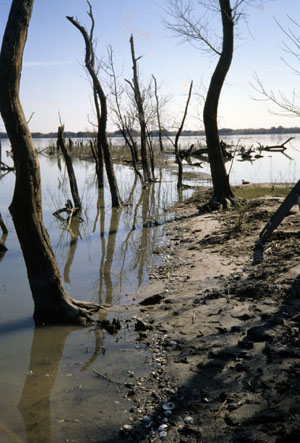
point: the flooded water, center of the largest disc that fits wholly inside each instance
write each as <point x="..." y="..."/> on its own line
<point x="49" y="391"/>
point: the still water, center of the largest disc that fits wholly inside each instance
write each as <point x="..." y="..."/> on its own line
<point x="48" y="391"/>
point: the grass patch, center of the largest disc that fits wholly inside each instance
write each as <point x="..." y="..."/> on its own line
<point x="257" y="191"/>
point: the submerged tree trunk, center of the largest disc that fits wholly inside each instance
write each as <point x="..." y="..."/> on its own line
<point x="51" y="301"/>
<point x="176" y="143"/>
<point x="68" y="160"/>
<point x="141" y="114"/>
<point x="99" y="152"/>
<point x="102" y="118"/>
<point x="222" y="190"/>
<point x="161" y="146"/>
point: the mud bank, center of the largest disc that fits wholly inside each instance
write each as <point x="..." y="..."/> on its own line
<point x="222" y="328"/>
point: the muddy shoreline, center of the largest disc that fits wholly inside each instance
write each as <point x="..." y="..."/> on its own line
<point x="222" y="332"/>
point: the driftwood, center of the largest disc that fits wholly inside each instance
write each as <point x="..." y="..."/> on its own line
<point x="71" y="213"/>
<point x="291" y="199"/>
<point x="191" y="152"/>
<point x="275" y="148"/>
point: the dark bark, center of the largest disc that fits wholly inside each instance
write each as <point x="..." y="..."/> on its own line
<point x="3" y="225"/>
<point x="52" y="303"/>
<point x="68" y="160"/>
<point x="176" y="144"/>
<point x="102" y="122"/>
<point x="99" y="152"/>
<point x="141" y="114"/>
<point x="220" y="179"/>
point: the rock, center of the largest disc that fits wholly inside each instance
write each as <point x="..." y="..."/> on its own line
<point x="152" y="300"/>
<point x="141" y="326"/>
<point x="169" y="406"/>
<point x="163" y="427"/>
<point x="126" y="428"/>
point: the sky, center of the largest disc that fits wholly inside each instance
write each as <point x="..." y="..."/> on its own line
<point x="54" y="80"/>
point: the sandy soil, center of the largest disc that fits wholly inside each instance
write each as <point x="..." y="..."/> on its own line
<point x="223" y="332"/>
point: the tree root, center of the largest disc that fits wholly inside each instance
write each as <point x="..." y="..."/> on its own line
<point x="216" y="204"/>
<point x="68" y="312"/>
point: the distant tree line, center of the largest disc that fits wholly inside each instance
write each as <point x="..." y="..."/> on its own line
<point x="187" y="133"/>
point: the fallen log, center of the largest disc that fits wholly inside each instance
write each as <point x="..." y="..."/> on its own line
<point x="71" y="213"/>
<point x="275" y="148"/>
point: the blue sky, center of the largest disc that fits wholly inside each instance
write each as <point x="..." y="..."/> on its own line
<point x="54" y="79"/>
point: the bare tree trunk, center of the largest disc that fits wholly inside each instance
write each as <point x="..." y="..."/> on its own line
<point x="123" y="123"/>
<point x="99" y="156"/>
<point x="151" y="155"/>
<point x="3" y="225"/>
<point x="70" y="169"/>
<point x="141" y="114"/>
<point x="222" y="190"/>
<point x="102" y="137"/>
<point x="176" y="142"/>
<point x="51" y="301"/>
<point x="161" y="146"/>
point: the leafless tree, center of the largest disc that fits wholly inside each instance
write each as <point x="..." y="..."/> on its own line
<point x="101" y="106"/>
<point x="158" y="116"/>
<point x="140" y="104"/>
<point x="176" y="142"/>
<point x="69" y="164"/>
<point x="189" y="22"/>
<point x="289" y="106"/>
<point x="122" y="119"/>
<point x="52" y="303"/>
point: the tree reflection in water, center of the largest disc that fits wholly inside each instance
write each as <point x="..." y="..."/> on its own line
<point x="46" y="352"/>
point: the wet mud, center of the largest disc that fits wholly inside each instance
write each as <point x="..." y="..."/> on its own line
<point x="222" y="329"/>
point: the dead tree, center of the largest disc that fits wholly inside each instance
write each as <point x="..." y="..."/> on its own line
<point x="121" y="120"/>
<point x="3" y="248"/>
<point x="3" y="225"/>
<point x="68" y="160"/>
<point x="176" y="142"/>
<point x="52" y="303"/>
<point x="141" y="113"/>
<point x="275" y="148"/>
<point x="289" y="105"/>
<point x="161" y="146"/>
<point x="193" y="28"/>
<point x="100" y="98"/>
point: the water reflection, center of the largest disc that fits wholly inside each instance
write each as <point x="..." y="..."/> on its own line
<point x="101" y="259"/>
<point x="46" y="352"/>
<point x="75" y="233"/>
<point x="3" y="248"/>
<point x="34" y="404"/>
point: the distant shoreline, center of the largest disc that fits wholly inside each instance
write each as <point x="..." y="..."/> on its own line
<point x="223" y="131"/>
